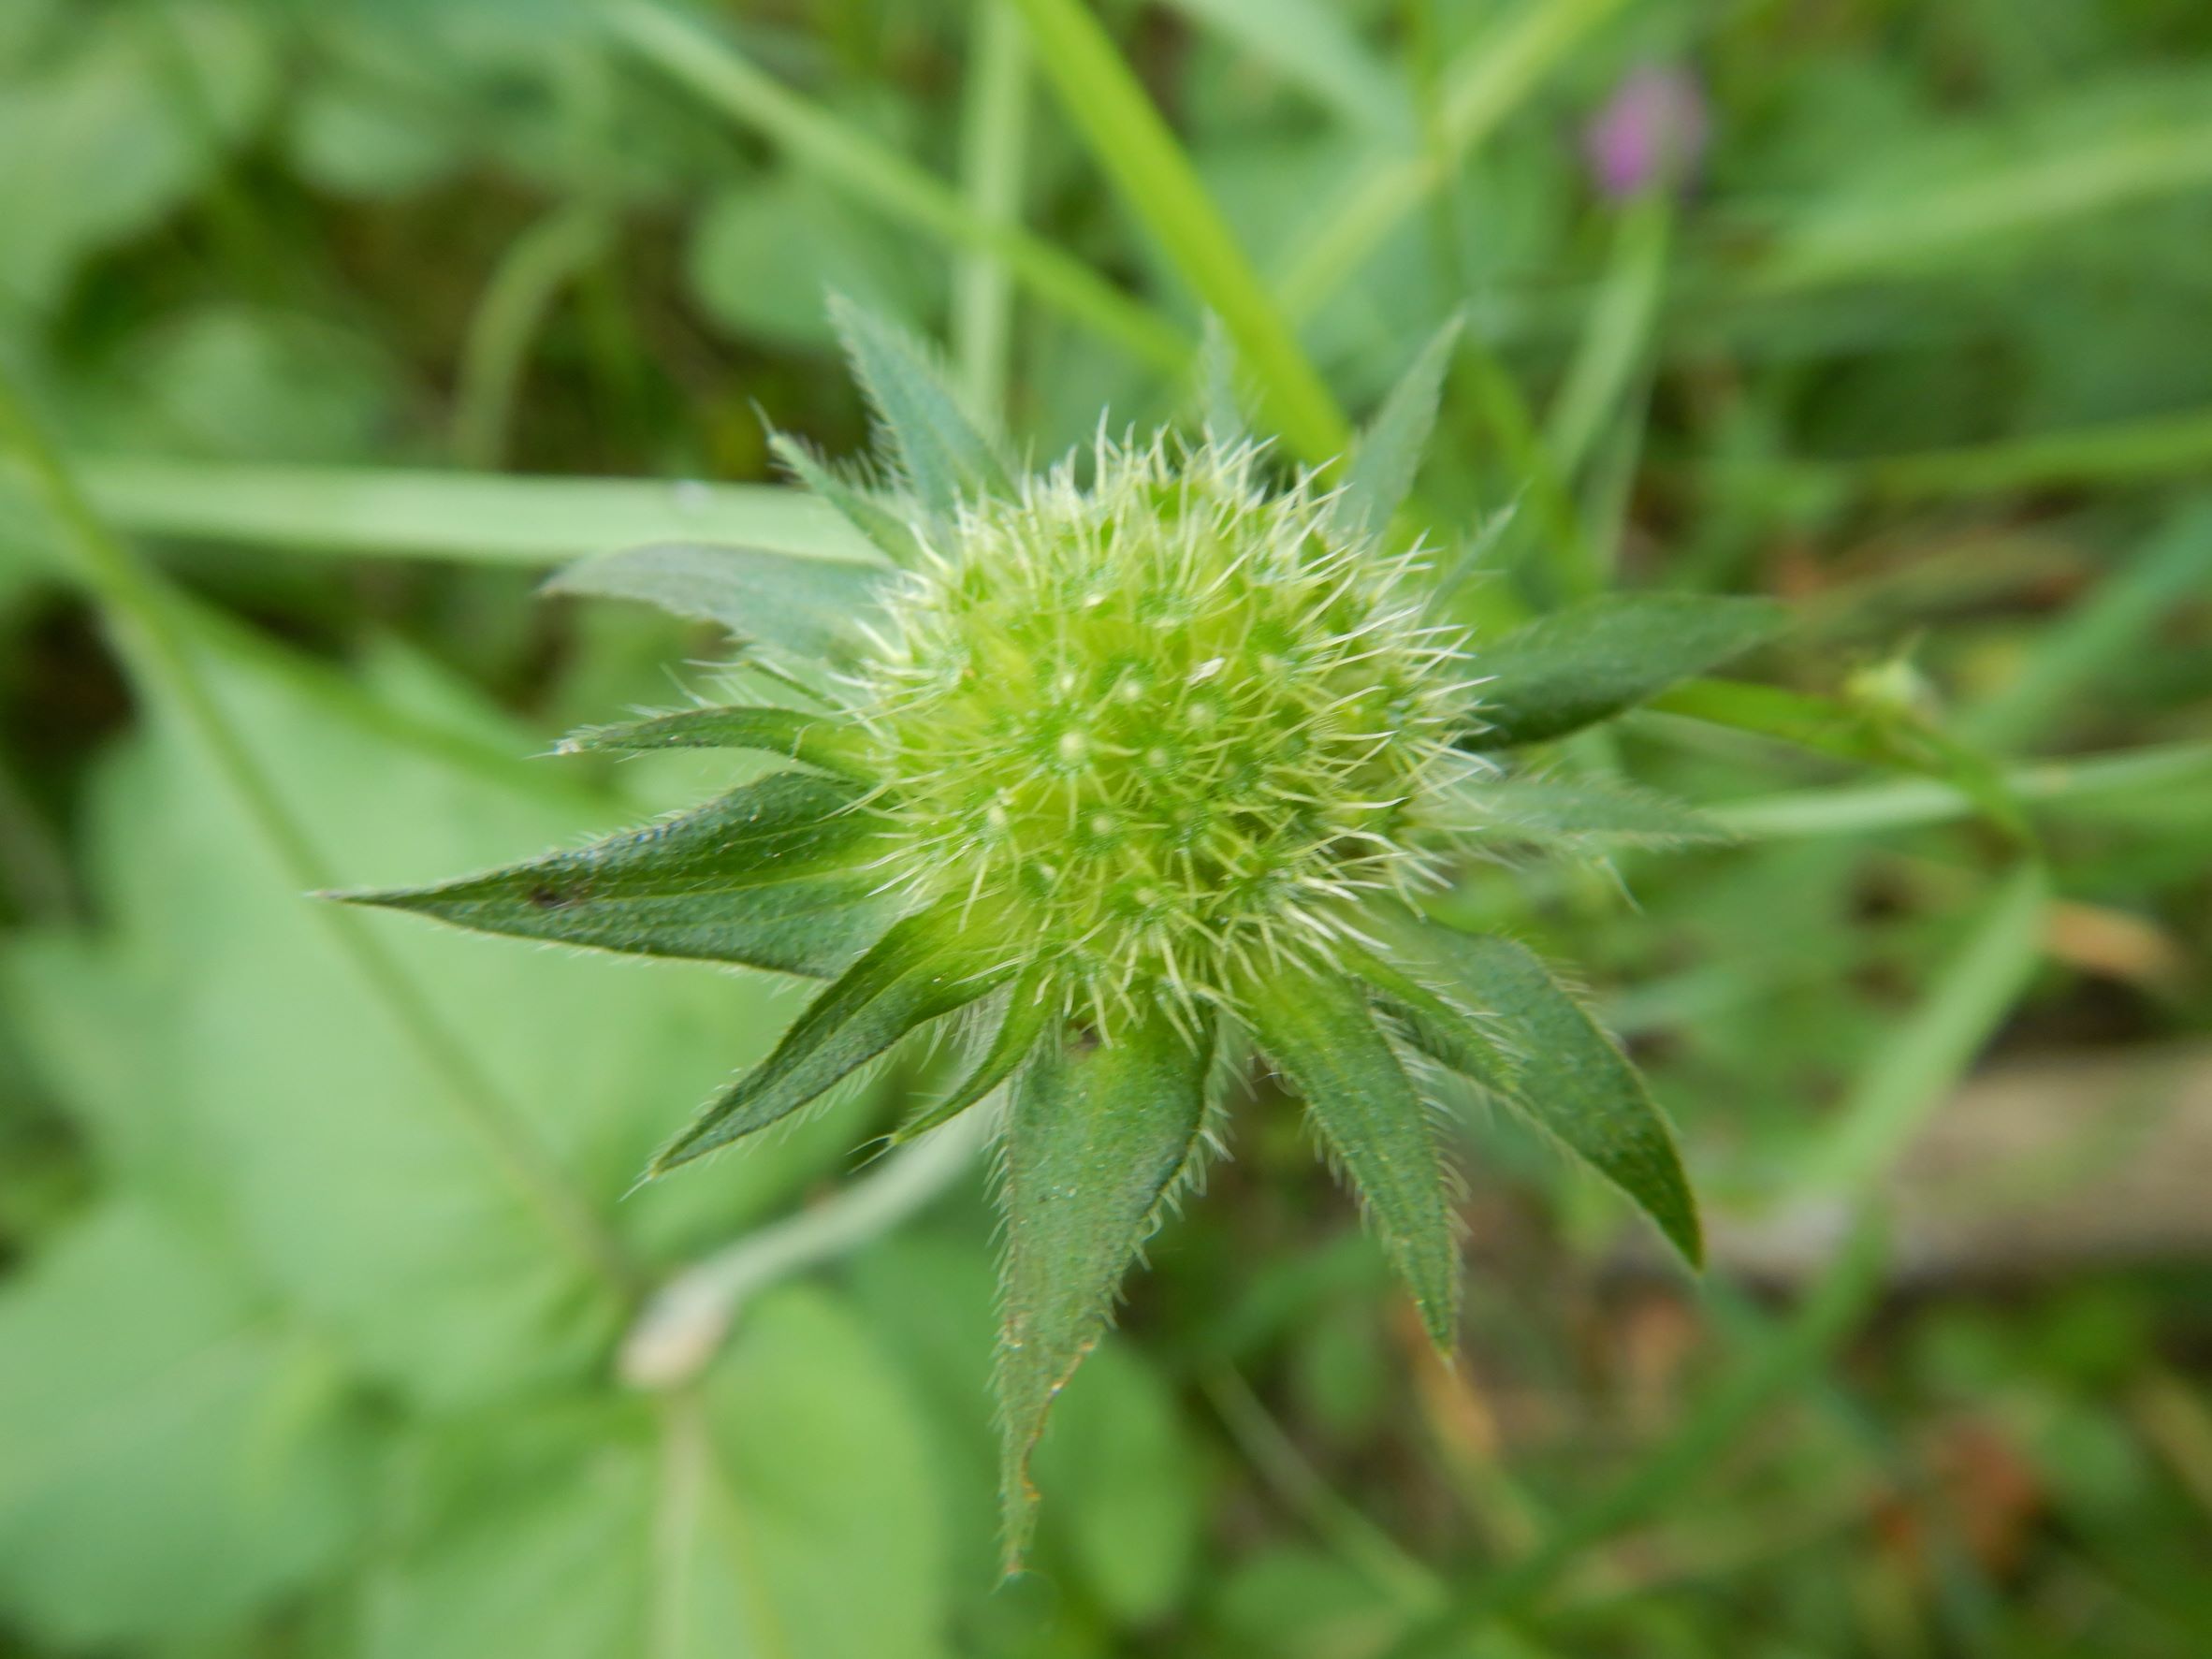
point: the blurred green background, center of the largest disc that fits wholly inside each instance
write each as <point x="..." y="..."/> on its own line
<point x="315" y="1261"/>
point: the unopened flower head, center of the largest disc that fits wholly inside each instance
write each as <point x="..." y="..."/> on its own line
<point x="1107" y="763"/>
<point x="1161" y="726"/>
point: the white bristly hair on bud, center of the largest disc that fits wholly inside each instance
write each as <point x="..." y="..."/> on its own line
<point x="1163" y="726"/>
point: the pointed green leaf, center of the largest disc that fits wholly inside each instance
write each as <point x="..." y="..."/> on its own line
<point x="1097" y="1136"/>
<point x="1322" y="1035"/>
<point x="1575" y="1083"/>
<point x="818" y="739"/>
<point x="1389" y="450"/>
<point x="943" y="454"/>
<point x="765" y="875"/>
<point x="1550" y="811"/>
<point x="1220" y="404"/>
<point x="867" y="512"/>
<point x="921" y="968"/>
<point x="1028" y="1010"/>
<point x="1590" y="661"/>
<point x="805" y="607"/>
<point x="1432" y="1023"/>
<point x="1474" y="552"/>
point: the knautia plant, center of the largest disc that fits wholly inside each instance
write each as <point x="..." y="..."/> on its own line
<point x="1145" y="765"/>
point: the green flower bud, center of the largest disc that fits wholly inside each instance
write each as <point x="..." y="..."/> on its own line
<point x="1160" y="729"/>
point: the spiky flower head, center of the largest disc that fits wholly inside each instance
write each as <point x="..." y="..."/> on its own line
<point x="1158" y="726"/>
<point x="1148" y="749"/>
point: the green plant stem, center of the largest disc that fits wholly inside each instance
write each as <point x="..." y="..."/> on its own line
<point x="1364" y="1545"/>
<point x="993" y="138"/>
<point x="1609" y="485"/>
<point x="1481" y="87"/>
<point x="684" y="1325"/>
<point x="685" y="1467"/>
<point x="885" y="180"/>
<point x="1775" y="1369"/>
<point x="1595" y="430"/>
<point x="1421" y="49"/>
<point x="1918" y="1064"/>
<point x="1544" y="504"/>
<point x="1134" y="146"/>
<point x="154" y="643"/>
<point x="1863" y="731"/>
<point x="1618" y="341"/>
<point x="1855" y="809"/>
<point x="527" y="278"/>
<point x="480" y="519"/>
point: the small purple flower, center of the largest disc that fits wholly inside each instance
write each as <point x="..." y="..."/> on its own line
<point x="1649" y="134"/>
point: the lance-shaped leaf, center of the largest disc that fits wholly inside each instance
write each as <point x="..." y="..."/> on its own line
<point x="767" y="876"/>
<point x="921" y="968"/>
<point x="1590" y="661"/>
<point x="1573" y="1084"/>
<point x="942" y="453"/>
<point x="805" y="608"/>
<point x="1389" y="450"/>
<point x="866" y="511"/>
<point x="1099" y="1135"/>
<point x="1557" y="812"/>
<point x="1432" y="1023"/>
<point x="1028" y="1010"/>
<point x="817" y="739"/>
<point x="1322" y="1035"/>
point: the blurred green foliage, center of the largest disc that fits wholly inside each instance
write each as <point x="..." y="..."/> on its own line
<point x="303" y="1350"/>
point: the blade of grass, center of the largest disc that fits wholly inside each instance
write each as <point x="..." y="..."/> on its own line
<point x="1935" y="232"/>
<point x="1609" y="484"/>
<point x="1543" y="506"/>
<point x="338" y="696"/>
<point x="1866" y="730"/>
<point x="1772" y="1371"/>
<point x="1856" y="808"/>
<point x="431" y="514"/>
<point x="524" y="284"/>
<point x="1311" y="45"/>
<point x="1617" y="340"/>
<point x="156" y="644"/>
<point x="2123" y="452"/>
<point x="895" y="186"/>
<point x="1483" y="85"/>
<point x="2118" y="618"/>
<point x="1901" y="230"/>
<point x="1134" y="146"/>
<point x="1929" y="1052"/>
<point x="1356" y="1540"/>
<point x="2111" y="454"/>
<point x="993" y="138"/>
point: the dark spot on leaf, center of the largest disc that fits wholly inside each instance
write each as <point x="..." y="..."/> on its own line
<point x="548" y="897"/>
